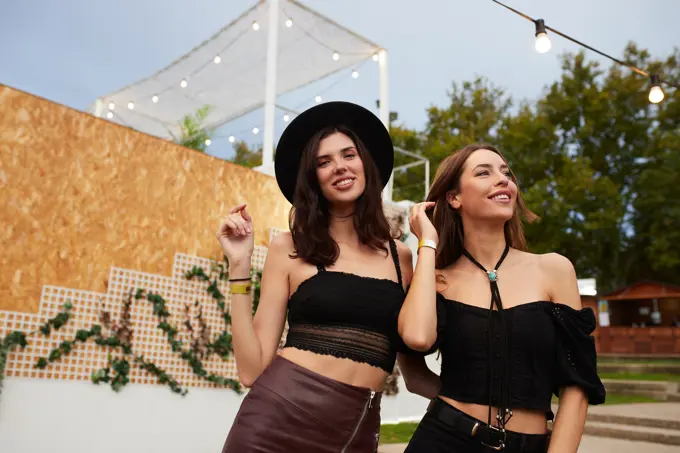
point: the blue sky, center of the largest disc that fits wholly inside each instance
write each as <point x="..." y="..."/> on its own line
<point x="72" y="51"/>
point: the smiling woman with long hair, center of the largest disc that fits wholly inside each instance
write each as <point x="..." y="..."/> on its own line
<point x="508" y="323"/>
<point x="339" y="276"/>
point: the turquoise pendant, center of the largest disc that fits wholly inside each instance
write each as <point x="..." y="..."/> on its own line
<point x="492" y="275"/>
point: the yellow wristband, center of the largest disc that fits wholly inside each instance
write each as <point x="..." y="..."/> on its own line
<point x="427" y="243"/>
<point x="240" y="288"/>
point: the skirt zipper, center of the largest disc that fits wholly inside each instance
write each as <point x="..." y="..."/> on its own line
<point x="367" y="406"/>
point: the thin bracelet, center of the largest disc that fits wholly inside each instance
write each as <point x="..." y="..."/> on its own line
<point x="240" y="279"/>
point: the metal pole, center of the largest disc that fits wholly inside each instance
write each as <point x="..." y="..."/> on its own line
<point x="427" y="178"/>
<point x="270" y="86"/>
<point x="385" y="112"/>
<point x="98" y="107"/>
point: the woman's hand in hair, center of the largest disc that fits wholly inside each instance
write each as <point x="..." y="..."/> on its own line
<point x="420" y="223"/>
<point x="235" y="235"/>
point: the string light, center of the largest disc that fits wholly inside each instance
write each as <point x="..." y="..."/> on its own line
<point x="542" y="43"/>
<point x="208" y="142"/>
<point x="256" y="130"/>
<point x="217" y="59"/>
<point x="231" y="139"/>
<point x="655" y="92"/>
<point x="109" y="115"/>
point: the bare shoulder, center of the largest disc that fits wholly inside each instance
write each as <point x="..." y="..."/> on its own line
<point x="405" y="254"/>
<point x="282" y="245"/>
<point x="405" y="261"/>
<point x="556" y="265"/>
<point x="560" y="277"/>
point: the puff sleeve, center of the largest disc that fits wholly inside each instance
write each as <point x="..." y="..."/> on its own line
<point x="575" y="356"/>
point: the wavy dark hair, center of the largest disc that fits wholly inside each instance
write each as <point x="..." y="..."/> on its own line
<point x="309" y="216"/>
<point x="447" y="220"/>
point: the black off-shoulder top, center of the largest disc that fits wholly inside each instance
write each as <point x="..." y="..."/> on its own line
<point x="549" y="346"/>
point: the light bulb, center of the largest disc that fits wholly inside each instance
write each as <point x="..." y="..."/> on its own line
<point x="336" y="56"/>
<point x="217" y="59"/>
<point x="286" y="118"/>
<point x="256" y="26"/>
<point x="208" y="142"/>
<point x="375" y="57"/>
<point x="131" y="105"/>
<point x="289" y="23"/>
<point x="154" y="99"/>
<point x="355" y="74"/>
<point x="109" y="115"/>
<point x="256" y="130"/>
<point x="183" y="83"/>
<point x="655" y="94"/>
<point x="112" y="106"/>
<point x="543" y="43"/>
<point x="231" y="139"/>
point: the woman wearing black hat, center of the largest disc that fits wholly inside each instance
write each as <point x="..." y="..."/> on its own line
<point x="340" y="278"/>
<point x="508" y="323"/>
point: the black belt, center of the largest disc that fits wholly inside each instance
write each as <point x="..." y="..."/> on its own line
<point x="489" y="436"/>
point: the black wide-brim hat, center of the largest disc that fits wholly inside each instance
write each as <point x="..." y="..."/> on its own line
<point x="361" y="121"/>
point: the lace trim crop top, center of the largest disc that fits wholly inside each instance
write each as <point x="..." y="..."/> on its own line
<point x="515" y="358"/>
<point x="348" y="316"/>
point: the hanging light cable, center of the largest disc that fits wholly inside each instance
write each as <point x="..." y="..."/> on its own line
<point x="655" y="92"/>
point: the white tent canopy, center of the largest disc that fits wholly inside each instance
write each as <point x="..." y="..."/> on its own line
<point x="229" y="70"/>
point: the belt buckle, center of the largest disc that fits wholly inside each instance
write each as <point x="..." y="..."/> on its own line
<point x="501" y="444"/>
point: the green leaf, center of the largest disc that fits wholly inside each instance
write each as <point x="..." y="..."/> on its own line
<point x="55" y="354"/>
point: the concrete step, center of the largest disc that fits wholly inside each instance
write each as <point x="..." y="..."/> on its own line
<point x="639" y="368"/>
<point x="609" y="357"/>
<point x="654" y="389"/>
<point x="673" y="397"/>
<point x="617" y="385"/>
<point x="635" y="420"/>
<point x="633" y="432"/>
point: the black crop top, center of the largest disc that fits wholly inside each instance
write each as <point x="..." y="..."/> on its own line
<point x="348" y="316"/>
<point x="548" y="347"/>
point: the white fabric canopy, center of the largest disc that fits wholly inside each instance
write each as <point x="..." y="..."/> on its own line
<point x="236" y="85"/>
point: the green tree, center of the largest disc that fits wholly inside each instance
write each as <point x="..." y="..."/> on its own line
<point x="192" y="132"/>
<point x="245" y="156"/>
<point x="595" y="160"/>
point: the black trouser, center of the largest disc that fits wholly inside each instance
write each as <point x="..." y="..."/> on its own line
<point x="445" y="429"/>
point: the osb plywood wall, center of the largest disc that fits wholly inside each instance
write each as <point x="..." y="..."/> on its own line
<point x="80" y="196"/>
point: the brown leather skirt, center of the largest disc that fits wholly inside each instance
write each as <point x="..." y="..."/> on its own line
<point x="292" y="409"/>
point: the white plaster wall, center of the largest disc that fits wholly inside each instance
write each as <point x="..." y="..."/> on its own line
<point x="54" y="416"/>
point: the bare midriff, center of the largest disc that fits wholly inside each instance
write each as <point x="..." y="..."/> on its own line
<point x="338" y="369"/>
<point x="523" y="420"/>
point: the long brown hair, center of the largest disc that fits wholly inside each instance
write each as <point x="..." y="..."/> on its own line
<point x="447" y="220"/>
<point x="309" y="216"/>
